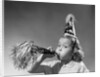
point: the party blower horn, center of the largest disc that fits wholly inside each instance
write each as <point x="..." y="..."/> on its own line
<point x="26" y="52"/>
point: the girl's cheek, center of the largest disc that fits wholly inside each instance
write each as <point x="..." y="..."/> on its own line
<point x="58" y="51"/>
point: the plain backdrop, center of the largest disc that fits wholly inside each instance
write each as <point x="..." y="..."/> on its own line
<point x="44" y="24"/>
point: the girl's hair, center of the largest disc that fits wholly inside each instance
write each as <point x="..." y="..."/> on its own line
<point x="78" y="54"/>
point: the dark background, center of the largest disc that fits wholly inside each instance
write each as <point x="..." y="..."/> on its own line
<point x="44" y="24"/>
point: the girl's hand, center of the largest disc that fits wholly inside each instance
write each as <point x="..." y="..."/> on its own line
<point x="38" y="60"/>
<point x="41" y="57"/>
<point x="49" y="55"/>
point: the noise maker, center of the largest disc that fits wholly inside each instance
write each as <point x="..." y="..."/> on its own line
<point x="42" y="50"/>
<point x="26" y="52"/>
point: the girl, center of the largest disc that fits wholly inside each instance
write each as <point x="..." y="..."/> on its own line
<point x="69" y="59"/>
<point x="69" y="54"/>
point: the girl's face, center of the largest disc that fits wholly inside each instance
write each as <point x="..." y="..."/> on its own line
<point x="64" y="49"/>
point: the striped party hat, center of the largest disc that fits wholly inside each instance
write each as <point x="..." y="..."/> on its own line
<point x="69" y="26"/>
<point x="70" y="29"/>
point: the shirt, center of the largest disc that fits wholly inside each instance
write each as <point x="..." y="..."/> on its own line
<point x="55" y="67"/>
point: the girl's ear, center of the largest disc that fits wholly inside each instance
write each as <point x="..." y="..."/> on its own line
<point x="77" y="55"/>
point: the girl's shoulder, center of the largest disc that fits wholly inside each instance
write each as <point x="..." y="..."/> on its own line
<point x="79" y="63"/>
<point x="81" y="66"/>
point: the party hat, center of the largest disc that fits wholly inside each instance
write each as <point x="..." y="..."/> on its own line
<point x="70" y="27"/>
